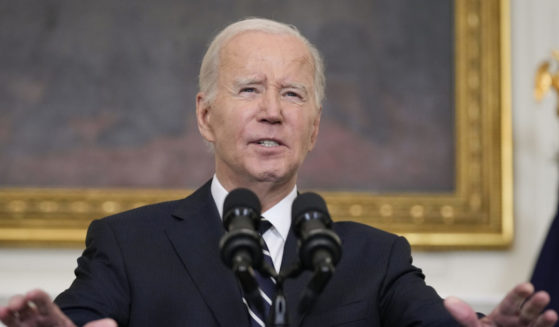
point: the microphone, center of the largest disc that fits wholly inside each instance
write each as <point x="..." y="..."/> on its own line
<point x="241" y="247"/>
<point x="319" y="246"/>
<point x="241" y="244"/>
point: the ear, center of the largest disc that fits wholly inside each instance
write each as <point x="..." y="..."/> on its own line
<point x="315" y="128"/>
<point x="203" y="117"/>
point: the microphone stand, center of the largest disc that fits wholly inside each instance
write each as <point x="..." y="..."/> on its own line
<point x="242" y="267"/>
<point x="278" y="312"/>
<point x="321" y="275"/>
<point x="278" y="315"/>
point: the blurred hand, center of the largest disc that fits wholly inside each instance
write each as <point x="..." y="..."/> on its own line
<point x="36" y="309"/>
<point x="520" y="307"/>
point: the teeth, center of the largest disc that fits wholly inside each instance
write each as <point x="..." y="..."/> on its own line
<point x="268" y="143"/>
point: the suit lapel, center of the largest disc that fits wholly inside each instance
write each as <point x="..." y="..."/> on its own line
<point x="293" y="288"/>
<point x="195" y="233"/>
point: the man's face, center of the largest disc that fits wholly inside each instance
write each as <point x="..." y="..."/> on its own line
<point x="264" y="119"/>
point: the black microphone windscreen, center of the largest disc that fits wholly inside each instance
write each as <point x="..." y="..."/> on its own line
<point x="308" y="202"/>
<point x="241" y="197"/>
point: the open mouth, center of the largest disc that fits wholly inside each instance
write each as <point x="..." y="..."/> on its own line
<point x="268" y="143"/>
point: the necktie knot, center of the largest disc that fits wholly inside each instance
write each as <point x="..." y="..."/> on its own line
<point x="264" y="225"/>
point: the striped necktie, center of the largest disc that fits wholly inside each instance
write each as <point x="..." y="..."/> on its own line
<point x="267" y="284"/>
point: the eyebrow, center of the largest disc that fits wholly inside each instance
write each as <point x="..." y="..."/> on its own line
<point x="241" y="81"/>
<point x="294" y="85"/>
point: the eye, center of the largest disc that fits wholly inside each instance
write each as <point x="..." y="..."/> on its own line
<point x="248" y="90"/>
<point x="293" y="94"/>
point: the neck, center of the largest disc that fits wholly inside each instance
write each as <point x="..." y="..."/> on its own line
<point x="269" y="192"/>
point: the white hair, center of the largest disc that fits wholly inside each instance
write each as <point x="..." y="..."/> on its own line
<point x="210" y="63"/>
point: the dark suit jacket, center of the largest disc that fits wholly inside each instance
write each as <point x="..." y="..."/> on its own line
<point x="160" y="265"/>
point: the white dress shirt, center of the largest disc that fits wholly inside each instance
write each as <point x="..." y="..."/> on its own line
<point x="279" y="216"/>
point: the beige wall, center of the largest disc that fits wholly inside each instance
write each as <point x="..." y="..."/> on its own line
<point x="479" y="277"/>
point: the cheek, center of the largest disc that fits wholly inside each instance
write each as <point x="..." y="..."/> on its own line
<point x="310" y="129"/>
<point x="224" y="123"/>
<point x="232" y="130"/>
<point x="304" y="141"/>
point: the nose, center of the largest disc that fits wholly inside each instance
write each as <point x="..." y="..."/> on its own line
<point x="271" y="108"/>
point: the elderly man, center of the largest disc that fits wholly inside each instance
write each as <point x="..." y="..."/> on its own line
<point x="261" y="87"/>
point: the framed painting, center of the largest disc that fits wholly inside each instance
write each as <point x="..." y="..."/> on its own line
<point x="98" y="114"/>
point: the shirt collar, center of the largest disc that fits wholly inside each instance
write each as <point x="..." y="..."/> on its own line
<point x="219" y="193"/>
<point x="276" y="215"/>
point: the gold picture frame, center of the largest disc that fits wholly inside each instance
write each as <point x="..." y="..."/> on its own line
<point x="477" y="214"/>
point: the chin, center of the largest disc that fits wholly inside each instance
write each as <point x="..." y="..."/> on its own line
<point x="268" y="177"/>
<point x="274" y="176"/>
<point x="269" y="171"/>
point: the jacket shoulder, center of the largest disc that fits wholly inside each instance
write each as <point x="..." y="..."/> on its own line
<point x="157" y="211"/>
<point x="362" y="231"/>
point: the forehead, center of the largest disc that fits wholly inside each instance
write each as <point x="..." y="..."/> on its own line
<point x="255" y="50"/>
